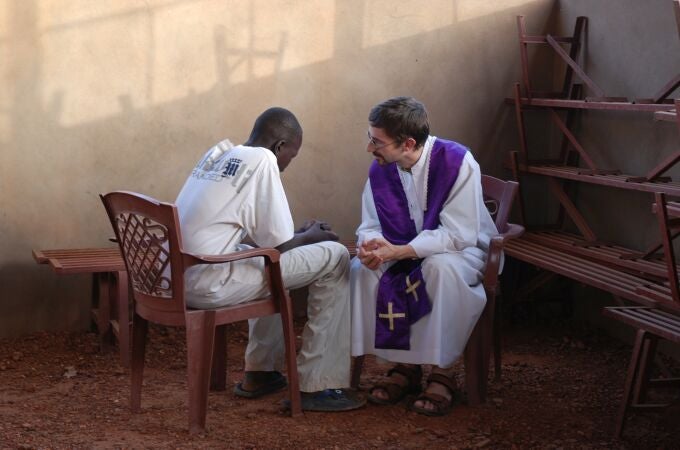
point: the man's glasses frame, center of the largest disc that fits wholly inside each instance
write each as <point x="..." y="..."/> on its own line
<point x="375" y="145"/>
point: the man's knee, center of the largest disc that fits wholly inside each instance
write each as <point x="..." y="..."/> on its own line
<point x="440" y="265"/>
<point x="338" y="252"/>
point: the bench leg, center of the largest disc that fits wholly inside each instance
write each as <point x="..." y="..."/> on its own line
<point x="101" y="311"/>
<point x="120" y="294"/>
<point x="643" y="375"/>
<point x="630" y="378"/>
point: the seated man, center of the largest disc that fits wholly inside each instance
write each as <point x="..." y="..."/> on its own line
<point x="416" y="284"/>
<point x="234" y="193"/>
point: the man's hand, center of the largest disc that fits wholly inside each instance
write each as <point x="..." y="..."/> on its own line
<point x="309" y="223"/>
<point x="318" y="231"/>
<point x="374" y="252"/>
<point x="311" y="232"/>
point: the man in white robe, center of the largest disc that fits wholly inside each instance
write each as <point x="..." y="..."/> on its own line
<point x="235" y="193"/>
<point x="452" y="249"/>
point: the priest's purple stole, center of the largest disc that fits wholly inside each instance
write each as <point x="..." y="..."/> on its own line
<point x="402" y="298"/>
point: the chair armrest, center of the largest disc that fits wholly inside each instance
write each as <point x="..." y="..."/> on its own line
<point x="493" y="259"/>
<point x="512" y="232"/>
<point x="271" y="255"/>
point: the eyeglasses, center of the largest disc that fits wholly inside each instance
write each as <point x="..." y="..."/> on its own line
<point x="375" y="145"/>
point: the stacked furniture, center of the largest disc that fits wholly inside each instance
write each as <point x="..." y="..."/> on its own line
<point x="648" y="279"/>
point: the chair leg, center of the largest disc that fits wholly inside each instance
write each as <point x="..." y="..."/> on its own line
<point x="356" y="371"/>
<point x="218" y="374"/>
<point x="200" y="328"/>
<point x="473" y="367"/>
<point x="497" y="341"/>
<point x="286" y="313"/>
<point x="120" y="294"/>
<point x="630" y="378"/>
<point x="140" y="327"/>
<point x="477" y="353"/>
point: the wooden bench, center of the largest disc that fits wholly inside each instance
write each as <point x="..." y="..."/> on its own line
<point x="110" y="310"/>
<point x="602" y="274"/>
<point x="110" y="293"/>
<point x="652" y="324"/>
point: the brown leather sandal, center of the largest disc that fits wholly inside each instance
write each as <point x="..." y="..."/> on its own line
<point x="442" y="405"/>
<point x="395" y="391"/>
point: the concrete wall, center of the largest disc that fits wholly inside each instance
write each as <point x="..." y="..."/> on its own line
<point x="127" y="94"/>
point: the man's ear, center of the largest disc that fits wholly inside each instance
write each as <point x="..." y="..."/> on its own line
<point x="278" y="145"/>
<point x="410" y="144"/>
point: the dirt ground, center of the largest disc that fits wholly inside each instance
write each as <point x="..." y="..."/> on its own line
<point x="560" y="388"/>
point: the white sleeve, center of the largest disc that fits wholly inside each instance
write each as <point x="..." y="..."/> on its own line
<point x="370" y="224"/>
<point x="460" y="216"/>
<point x="269" y="222"/>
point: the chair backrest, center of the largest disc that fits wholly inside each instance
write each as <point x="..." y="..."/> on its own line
<point x="498" y="197"/>
<point x="149" y="238"/>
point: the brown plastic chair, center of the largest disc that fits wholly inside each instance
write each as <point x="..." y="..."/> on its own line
<point x="150" y="241"/>
<point x="498" y="196"/>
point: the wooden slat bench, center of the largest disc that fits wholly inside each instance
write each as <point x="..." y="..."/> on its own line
<point x="597" y="273"/>
<point x="606" y="253"/>
<point x="652" y="324"/>
<point x="110" y="302"/>
<point x="110" y="293"/>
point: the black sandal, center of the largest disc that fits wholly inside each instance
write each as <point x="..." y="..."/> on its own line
<point x="396" y="392"/>
<point x="442" y="405"/>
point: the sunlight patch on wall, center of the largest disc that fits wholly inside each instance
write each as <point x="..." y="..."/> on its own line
<point x="104" y="58"/>
<point x="472" y="9"/>
<point x="386" y="20"/>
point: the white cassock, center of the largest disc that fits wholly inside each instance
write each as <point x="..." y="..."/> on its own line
<point x="454" y="259"/>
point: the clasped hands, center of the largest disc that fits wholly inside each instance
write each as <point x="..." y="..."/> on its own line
<point x="374" y="252"/>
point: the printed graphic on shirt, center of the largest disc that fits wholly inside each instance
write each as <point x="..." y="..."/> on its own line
<point x="232" y="167"/>
<point x="218" y="169"/>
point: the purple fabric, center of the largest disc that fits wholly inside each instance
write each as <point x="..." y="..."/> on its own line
<point x="397" y="309"/>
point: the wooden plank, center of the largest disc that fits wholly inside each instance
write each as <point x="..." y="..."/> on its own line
<point x="571" y="209"/>
<point x="591" y="273"/>
<point x="633" y="317"/>
<point x="542" y="39"/>
<point x="611" y="180"/>
<point x="666" y="116"/>
<point x="582" y="104"/>
<point x="524" y="58"/>
<point x="574" y="66"/>
<point x="667" y="89"/>
<point x="608" y="254"/>
<point x="572" y="139"/>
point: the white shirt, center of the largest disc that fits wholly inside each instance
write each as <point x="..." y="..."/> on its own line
<point x="232" y="192"/>
<point x="465" y="222"/>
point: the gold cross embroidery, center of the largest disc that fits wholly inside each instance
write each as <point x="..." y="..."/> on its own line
<point x="391" y="315"/>
<point x="411" y="288"/>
